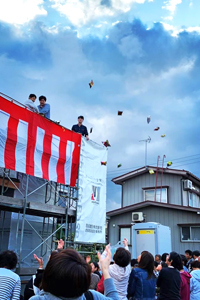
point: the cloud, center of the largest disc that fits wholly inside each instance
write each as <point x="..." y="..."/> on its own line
<point x="171" y="5"/>
<point x="21" y="11"/>
<point x="142" y="72"/>
<point x="81" y="12"/>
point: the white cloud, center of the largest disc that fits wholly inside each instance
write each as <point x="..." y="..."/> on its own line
<point x="81" y="12"/>
<point x="20" y="11"/>
<point x="171" y="5"/>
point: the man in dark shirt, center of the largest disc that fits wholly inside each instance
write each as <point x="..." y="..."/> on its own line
<point x="79" y="128"/>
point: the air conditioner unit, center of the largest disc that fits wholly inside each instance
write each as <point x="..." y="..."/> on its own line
<point x="137" y="217"/>
<point x="187" y="184"/>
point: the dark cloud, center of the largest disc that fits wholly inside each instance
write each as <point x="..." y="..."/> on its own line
<point x="142" y="72"/>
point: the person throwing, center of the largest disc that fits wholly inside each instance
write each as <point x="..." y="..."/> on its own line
<point x="80" y="128"/>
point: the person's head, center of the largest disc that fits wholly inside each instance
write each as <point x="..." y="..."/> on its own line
<point x="195" y="254"/>
<point x="32" y="97"/>
<point x="163" y="257"/>
<point x="175" y="260"/>
<point x="146" y="262"/>
<point x="134" y="262"/>
<point x="188" y="254"/>
<point x="94" y="266"/>
<point x="155" y="265"/>
<point x="42" y="100"/>
<point x="80" y="119"/>
<point x="122" y="257"/>
<point x="8" y="260"/>
<point x="195" y="265"/>
<point x="184" y="259"/>
<point x="67" y="274"/>
<point x="158" y="258"/>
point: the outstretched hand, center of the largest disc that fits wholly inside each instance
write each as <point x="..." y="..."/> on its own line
<point x="88" y="259"/>
<point x="39" y="260"/>
<point x="105" y="262"/>
<point x="125" y="242"/>
<point x="60" y="244"/>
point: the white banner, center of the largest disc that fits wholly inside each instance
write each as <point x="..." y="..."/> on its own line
<point x="91" y="206"/>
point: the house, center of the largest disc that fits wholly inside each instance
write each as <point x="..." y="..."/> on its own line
<point x="170" y="197"/>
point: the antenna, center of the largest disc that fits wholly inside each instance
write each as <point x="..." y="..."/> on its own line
<point x="146" y="141"/>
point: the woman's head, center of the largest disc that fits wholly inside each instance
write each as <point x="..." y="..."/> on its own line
<point x="122" y="257"/>
<point x="146" y="262"/>
<point x="67" y="274"/>
<point x="175" y="260"/>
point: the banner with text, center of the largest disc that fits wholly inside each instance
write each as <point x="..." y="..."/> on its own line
<point x="91" y="206"/>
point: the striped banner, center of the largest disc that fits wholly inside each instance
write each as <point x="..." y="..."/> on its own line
<point x="36" y="146"/>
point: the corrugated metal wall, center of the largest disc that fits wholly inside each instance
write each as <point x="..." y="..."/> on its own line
<point x="164" y="216"/>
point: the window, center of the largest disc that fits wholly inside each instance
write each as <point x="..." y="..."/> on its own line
<point x="161" y="195"/>
<point x="190" y="233"/>
<point x="125" y="232"/>
<point x="193" y="200"/>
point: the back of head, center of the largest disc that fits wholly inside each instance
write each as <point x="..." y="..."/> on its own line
<point x="147" y="263"/>
<point x="122" y="257"/>
<point x="195" y="264"/>
<point x="66" y="275"/>
<point x="184" y="259"/>
<point x="8" y="260"/>
<point x="175" y="260"/>
<point x="164" y="256"/>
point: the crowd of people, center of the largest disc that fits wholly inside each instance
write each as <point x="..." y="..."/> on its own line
<point x="44" y="110"/>
<point x="68" y="275"/>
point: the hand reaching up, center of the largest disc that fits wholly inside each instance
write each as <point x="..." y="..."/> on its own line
<point x="39" y="260"/>
<point x="105" y="262"/>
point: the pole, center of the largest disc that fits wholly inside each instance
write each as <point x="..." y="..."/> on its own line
<point x="162" y="178"/>
<point x="145" y="153"/>
<point x="23" y="222"/>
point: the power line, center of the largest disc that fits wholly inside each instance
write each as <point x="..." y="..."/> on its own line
<point x="151" y="164"/>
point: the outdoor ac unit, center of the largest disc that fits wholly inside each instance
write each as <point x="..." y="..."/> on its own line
<point x="137" y="217"/>
<point x="187" y="184"/>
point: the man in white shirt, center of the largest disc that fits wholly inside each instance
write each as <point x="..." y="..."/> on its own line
<point x="30" y="103"/>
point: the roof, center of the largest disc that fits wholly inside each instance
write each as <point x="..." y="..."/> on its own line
<point x="139" y="205"/>
<point x="186" y="174"/>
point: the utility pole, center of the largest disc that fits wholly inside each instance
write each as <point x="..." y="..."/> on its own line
<point x="146" y="141"/>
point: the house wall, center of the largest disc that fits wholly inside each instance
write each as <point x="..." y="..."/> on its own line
<point x="133" y="192"/>
<point x="165" y="216"/>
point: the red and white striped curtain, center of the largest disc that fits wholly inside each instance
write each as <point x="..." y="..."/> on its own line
<point x="31" y="144"/>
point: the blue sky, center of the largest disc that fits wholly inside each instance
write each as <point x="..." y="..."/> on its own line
<point x="144" y="59"/>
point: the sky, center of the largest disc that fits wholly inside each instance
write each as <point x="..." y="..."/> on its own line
<point x="144" y="59"/>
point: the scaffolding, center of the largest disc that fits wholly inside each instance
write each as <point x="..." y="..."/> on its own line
<point x="47" y="209"/>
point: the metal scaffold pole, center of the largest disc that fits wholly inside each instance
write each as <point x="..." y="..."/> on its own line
<point x="23" y="222"/>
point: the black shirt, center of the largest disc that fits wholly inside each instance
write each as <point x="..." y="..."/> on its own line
<point x="80" y="129"/>
<point x="169" y="281"/>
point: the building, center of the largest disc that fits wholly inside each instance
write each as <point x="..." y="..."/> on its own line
<point x="169" y="197"/>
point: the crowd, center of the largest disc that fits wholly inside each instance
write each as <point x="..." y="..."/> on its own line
<point x="44" y="110"/>
<point x="69" y="276"/>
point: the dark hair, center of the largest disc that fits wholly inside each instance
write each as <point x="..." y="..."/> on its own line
<point x="184" y="259"/>
<point x="195" y="253"/>
<point x="67" y="275"/>
<point x="159" y="256"/>
<point x="147" y="263"/>
<point x="195" y="264"/>
<point x="32" y="95"/>
<point x="81" y="117"/>
<point x="175" y="260"/>
<point x="164" y="256"/>
<point x="188" y="252"/>
<point x="43" y="98"/>
<point x="122" y="257"/>
<point x="95" y="264"/>
<point x="156" y="264"/>
<point x="134" y="262"/>
<point x="8" y="260"/>
<point x="163" y="264"/>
